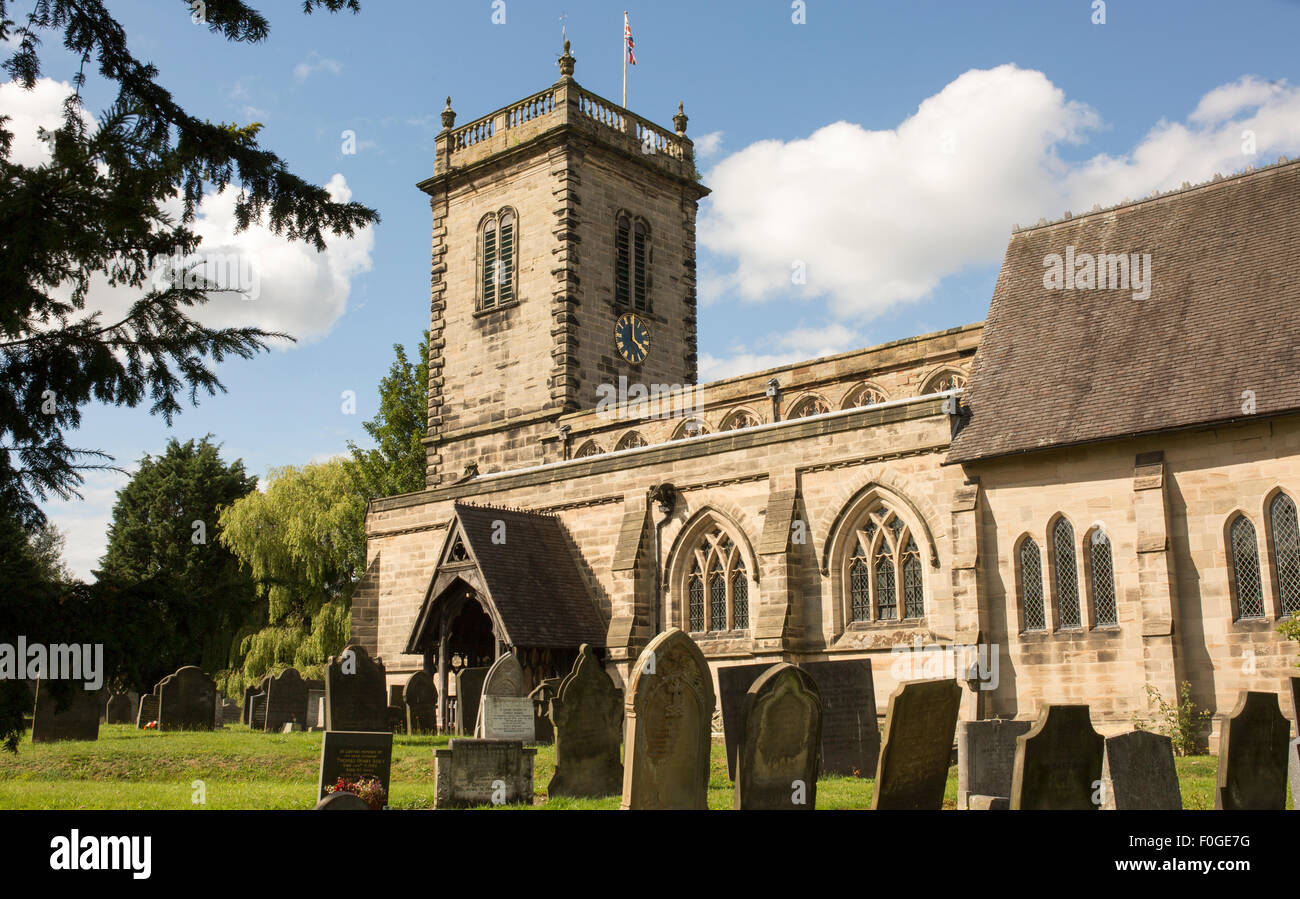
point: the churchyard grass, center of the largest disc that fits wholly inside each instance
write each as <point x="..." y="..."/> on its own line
<point x="128" y="768"/>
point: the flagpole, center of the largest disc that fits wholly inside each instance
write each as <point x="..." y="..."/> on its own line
<point x="625" y="59"/>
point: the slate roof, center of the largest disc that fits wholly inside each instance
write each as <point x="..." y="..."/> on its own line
<point x="1060" y="367"/>
<point x="533" y="578"/>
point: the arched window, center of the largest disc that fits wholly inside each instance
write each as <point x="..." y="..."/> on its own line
<point x="1101" y="578"/>
<point x="630" y="440"/>
<point x="1244" y="553"/>
<point x="1031" y="586"/>
<point x="632" y="259"/>
<point x="497" y="259"/>
<point x="738" y="418"/>
<point x="717" y="587"/>
<point x="863" y="395"/>
<point x="692" y="427"/>
<point x="1067" y="576"/>
<point x="590" y="448"/>
<point x="809" y="405"/>
<point x="1285" y="536"/>
<point x="949" y="379"/>
<point x="884" y="564"/>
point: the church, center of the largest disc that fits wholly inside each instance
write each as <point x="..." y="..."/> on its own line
<point x="1093" y="492"/>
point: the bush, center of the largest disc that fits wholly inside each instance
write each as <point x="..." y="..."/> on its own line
<point x="1182" y="723"/>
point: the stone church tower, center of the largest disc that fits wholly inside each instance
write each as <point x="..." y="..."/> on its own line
<point x="563" y="259"/>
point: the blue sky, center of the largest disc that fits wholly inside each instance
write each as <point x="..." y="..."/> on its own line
<point x="888" y="146"/>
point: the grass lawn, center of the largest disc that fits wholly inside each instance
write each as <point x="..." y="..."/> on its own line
<point x="135" y="769"/>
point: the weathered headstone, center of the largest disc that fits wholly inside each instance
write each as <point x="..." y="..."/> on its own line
<point x="469" y="690"/>
<point x="229" y="711"/>
<point x="343" y="801"/>
<point x="187" y="700"/>
<point x="781" y="736"/>
<point x="1138" y="772"/>
<point x="1058" y="763"/>
<point x="286" y="701"/>
<point x="77" y="720"/>
<point x="421" y="698"/>
<point x="920" y="724"/>
<point x="355" y="698"/>
<point x="354" y="756"/>
<point x="669" y="713"/>
<point x="850" y="729"/>
<point x="120" y="709"/>
<point x="587" y="713"/>
<point x="734" y="682"/>
<point x="542" y="696"/>
<point x="1293" y="768"/>
<point x="483" y="772"/>
<point x="218" y="716"/>
<point x="246" y="707"/>
<point x="1295" y="701"/>
<point x="257" y="714"/>
<point x="505" y="711"/>
<point x="1252" y="755"/>
<point x="986" y="761"/>
<point x="315" y="709"/>
<point x="148" y="710"/>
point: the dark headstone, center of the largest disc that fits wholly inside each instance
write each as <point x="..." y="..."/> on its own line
<point x="483" y="772"/>
<point x="734" y="682"/>
<point x="469" y="690"/>
<point x="1293" y="769"/>
<point x="542" y="696"/>
<point x="587" y="713"/>
<point x="187" y="700"/>
<point x="120" y="709"/>
<point x="1252" y="755"/>
<point x="986" y="758"/>
<point x="246" y="708"/>
<point x="669" y="714"/>
<point x="505" y="712"/>
<point x="917" y="748"/>
<point x="77" y="719"/>
<point x="1138" y="772"/>
<point x="257" y="715"/>
<point x="850" y="729"/>
<point x="421" y="699"/>
<point x="1295" y="701"/>
<point x="355" y="697"/>
<point x="229" y="711"/>
<point x="286" y="701"/>
<point x="148" y="710"/>
<point x="354" y="756"/>
<point x="781" y="736"/>
<point x="397" y="719"/>
<point x="342" y="801"/>
<point x="1058" y="763"/>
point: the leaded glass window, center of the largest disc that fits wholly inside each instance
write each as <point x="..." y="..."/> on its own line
<point x="590" y="448"/>
<point x="809" y="405"/>
<point x="884" y="565"/>
<point x="630" y="440"/>
<point x="739" y="598"/>
<point x="718" y="600"/>
<point x="886" y="588"/>
<point x="860" y="586"/>
<point x="949" y="380"/>
<point x="1102" y="568"/>
<point x="739" y="418"/>
<point x="1067" y="575"/>
<point x="695" y="589"/>
<point x="1031" y="586"/>
<point x="1245" y="569"/>
<point x="864" y="395"/>
<point x="1286" y="552"/>
<point x="913" y="593"/>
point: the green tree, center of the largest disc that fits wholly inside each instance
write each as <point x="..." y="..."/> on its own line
<point x="303" y="543"/>
<point x="396" y="465"/>
<point x="99" y="210"/>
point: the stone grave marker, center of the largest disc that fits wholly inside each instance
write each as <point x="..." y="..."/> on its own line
<point x="469" y="690"/>
<point x="355" y="755"/>
<point x="259" y="712"/>
<point x="1058" y="762"/>
<point x="850" y="728"/>
<point x="286" y="701"/>
<point x="779" y="756"/>
<point x="505" y="711"/>
<point x="587" y="714"/>
<point x="342" y="801"/>
<point x="986" y="761"/>
<point x="148" y="710"/>
<point x="542" y="696"/>
<point x="920" y="724"/>
<point x="229" y="711"/>
<point x="483" y="772"/>
<point x="246" y="707"/>
<point x="1293" y="768"/>
<point x="734" y="682"/>
<point x="315" y="709"/>
<point x="1138" y="772"/>
<point x="1252" y="755"/>
<point x="1295" y="701"/>
<point x="669" y="714"/>
<point x="120" y="709"/>
<point x="421" y="698"/>
<point x="355" y="698"/>
<point x="187" y="700"/>
<point x="77" y="720"/>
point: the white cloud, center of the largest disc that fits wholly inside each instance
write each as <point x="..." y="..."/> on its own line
<point x="316" y="63"/>
<point x="84" y="522"/>
<point x="781" y="348"/>
<point x="707" y="145"/>
<point x="29" y="110"/>
<point x="873" y="219"/>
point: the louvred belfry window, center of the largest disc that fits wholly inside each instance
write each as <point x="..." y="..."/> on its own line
<point x="632" y="263"/>
<point x="497" y="257"/>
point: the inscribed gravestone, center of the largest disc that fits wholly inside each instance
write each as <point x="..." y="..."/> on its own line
<point x="286" y="701"/>
<point x="257" y="719"/>
<point x="120" y="708"/>
<point x="78" y="719"/>
<point x="587" y="713"/>
<point x="342" y="801"/>
<point x="919" y="727"/>
<point x="505" y="711"/>
<point x="483" y="772"/>
<point x="315" y="709"/>
<point x="669" y="713"/>
<point x="780" y="747"/>
<point x="421" y="698"/>
<point x="187" y="700"/>
<point x="1058" y="763"/>
<point x="469" y="690"/>
<point x="1138" y="772"/>
<point x="850" y="729"/>
<point x="1252" y="755"/>
<point x="542" y="696"/>
<point x="355" y="756"/>
<point x="734" y="682"/>
<point x="148" y="710"/>
<point x="355" y="697"/>
<point x="986" y="759"/>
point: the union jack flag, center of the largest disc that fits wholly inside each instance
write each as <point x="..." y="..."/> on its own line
<point x="627" y="36"/>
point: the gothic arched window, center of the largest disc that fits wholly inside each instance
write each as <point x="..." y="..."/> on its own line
<point x="883" y="564"/>
<point x="863" y="395"/>
<point x="632" y="262"/>
<point x="630" y="440"/>
<point x="1101" y="578"/>
<point x="809" y="405"/>
<point x="1067" y="576"/>
<point x="738" y="418"/>
<point x="950" y="379"/>
<point x="590" y="448"/>
<point x="497" y="259"/>
<point x="1031" y="586"/>
<point x="1244" y="555"/>
<point x="1285" y="536"/>
<point x="692" y="427"/>
<point x="717" y="587"/>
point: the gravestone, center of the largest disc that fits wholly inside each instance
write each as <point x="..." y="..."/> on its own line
<point x="187" y="700"/>
<point x="148" y="710"/>
<point x="469" y="690"/>
<point x="587" y="714"/>
<point x="542" y="696"/>
<point x="286" y="701"/>
<point x="355" y="755"/>
<point x="1293" y="768"/>
<point x="986" y="760"/>
<point x="1295" y="701"/>
<point x="315" y="709"/>
<point x="78" y="719"/>
<point x="1138" y="772"/>
<point x="229" y="711"/>
<point x="343" y="801"/>
<point x="669" y="714"/>
<point x="421" y="698"/>
<point x="505" y="711"/>
<point x="218" y="716"/>
<point x="246" y="708"/>
<point x="779" y="756"/>
<point x="397" y="719"/>
<point x="1252" y="755"/>
<point x="355" y="698"/>
<point x="850" y="728"/>
<point x="1058" y="763"/>
<point x="257" y="719"/>
<point x="120" y="709"/>
<point x="483" y="772"/>
<point x="734" y="682"/>
<point x="920" y="724"/>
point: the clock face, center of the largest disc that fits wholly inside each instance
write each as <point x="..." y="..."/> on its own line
<point x="632" y="338"/>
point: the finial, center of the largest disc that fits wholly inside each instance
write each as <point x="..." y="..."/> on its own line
<point x="448" y="116"/>
<point x="567" y="61"/>
<point x="680" y="120"/>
